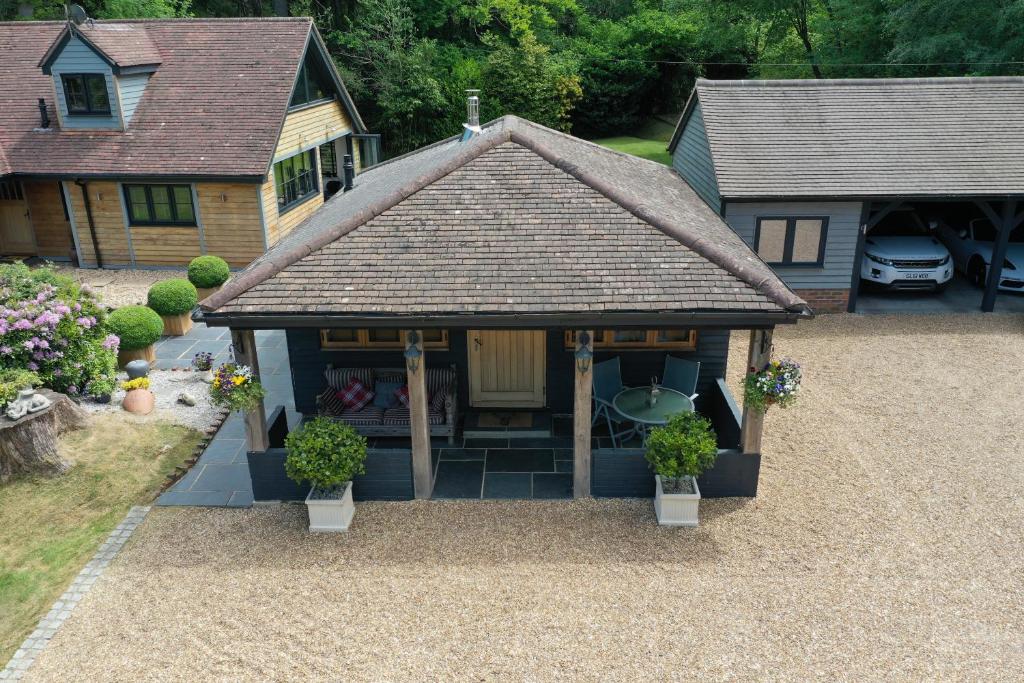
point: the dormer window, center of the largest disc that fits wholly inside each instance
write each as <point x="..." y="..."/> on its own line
<point x="86" y="94"/>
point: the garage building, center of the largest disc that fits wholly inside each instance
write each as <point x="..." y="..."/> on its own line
<point x="806" y="171"/>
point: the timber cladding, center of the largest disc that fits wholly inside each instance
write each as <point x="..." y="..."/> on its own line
<point x="229" y="226"/>
<point x="52" y="230"/>
<point x="303" y="130"/>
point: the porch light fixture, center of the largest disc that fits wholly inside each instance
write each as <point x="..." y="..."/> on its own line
<point x="583" y="353"/>
<point x="412" y="351"/>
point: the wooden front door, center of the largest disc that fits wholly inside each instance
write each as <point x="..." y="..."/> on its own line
<point x="16" y="236"/>
<point x="507" y="368"/>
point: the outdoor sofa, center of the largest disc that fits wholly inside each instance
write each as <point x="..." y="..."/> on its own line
<point x="376" y="420"/>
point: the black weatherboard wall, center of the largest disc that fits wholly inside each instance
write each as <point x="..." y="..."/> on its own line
<point x="308" y="362"/>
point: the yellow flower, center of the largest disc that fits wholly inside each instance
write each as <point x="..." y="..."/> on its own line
<point x="238" y="380"/>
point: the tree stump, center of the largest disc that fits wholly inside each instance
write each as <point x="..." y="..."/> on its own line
<point x="29" y="445"/>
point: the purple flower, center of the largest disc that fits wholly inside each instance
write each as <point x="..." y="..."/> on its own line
<point x="23" y="325"/>
<point x="85" y="322"/>
<point x="32" y="366"/>
<point x="111" y="342"/>
<point x="72" y="389"/>
<point x="47" y="319"/>
<point x="30" y="343"/>
<point x="39" y="355"/>
<point x="6" y="350"/>
<point x="57" y="372"/>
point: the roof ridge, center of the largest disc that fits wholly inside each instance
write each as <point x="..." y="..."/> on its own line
<point x="832" y="82"/>
<point x="272" y="264"/>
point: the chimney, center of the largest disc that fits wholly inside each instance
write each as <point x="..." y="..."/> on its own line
<point x="44" y="118"/>
<point x="472" y="125"/>
<point x="348" y="172"/>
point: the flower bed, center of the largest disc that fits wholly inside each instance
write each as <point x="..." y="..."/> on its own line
<point x="51" y="326"/>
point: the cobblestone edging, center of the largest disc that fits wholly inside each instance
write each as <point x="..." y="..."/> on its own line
<point x="62" y="608"/>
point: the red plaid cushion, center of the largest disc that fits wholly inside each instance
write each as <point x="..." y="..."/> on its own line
<point x="402" y="394"/>
<point x="355" y="395"/>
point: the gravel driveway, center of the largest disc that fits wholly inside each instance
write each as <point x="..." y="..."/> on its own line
<point x="887" y="542"/>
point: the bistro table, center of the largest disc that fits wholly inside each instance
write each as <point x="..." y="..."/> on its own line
<point x="633" y="405"/>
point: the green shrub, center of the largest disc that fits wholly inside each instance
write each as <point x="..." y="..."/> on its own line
<point x="13" y="380"/>
<point x="325" y="452"/>
<point x="685" y="447"/>
<point x="207" y="272"/>
<point x="137" y="326"/>
<point x="172" y="297"/>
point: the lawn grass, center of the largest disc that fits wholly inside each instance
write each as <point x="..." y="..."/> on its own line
<point x="648" y="141"/>
<point x="49" y="528"/>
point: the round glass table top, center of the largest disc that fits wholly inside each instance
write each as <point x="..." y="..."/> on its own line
<point x="634" y="405"/>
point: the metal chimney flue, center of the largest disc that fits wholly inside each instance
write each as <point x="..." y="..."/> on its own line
<point x="348" y="171"/>
<point x="44" y="117"/>
<point x="472" y="125"/>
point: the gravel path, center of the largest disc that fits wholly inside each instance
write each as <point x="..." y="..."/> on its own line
<point x="887" y="543"/>
<point x="121" y="287"/>
<point x="167" y="385"/>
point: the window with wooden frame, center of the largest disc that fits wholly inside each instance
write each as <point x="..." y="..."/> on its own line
<point x="639" y="339"/>
<point x="378" y="339"/>
<point x="312" y="85"/>
<point x="159" y="205"/>
<point x="295" y="180"/>
<point x="86" y="94"/>
<point x="783" y="241"/>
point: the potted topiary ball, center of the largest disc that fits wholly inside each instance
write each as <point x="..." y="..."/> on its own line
<point x="174" y="300"/>
<point x="326" y="454"/>
<point x="139" y="328"/>
<point x="208" y="274"/>
<point x="680" y="452"/>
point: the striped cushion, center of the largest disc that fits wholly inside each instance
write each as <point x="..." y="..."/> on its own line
<point x="438" y="379"/>
<point x="391" y="379"/>
<point x="437" y="402"/>
<point x="370" y="415"/>
<point x="400" y="416"/>
<point x="330" y="403"/>
<point x="337" y="378"/>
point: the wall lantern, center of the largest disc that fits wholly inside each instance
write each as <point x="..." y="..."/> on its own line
<point x="412" y="351"/>
<point x="583" y="353"/>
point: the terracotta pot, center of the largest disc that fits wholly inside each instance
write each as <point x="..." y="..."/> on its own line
<point x="139" y="401"/>
<point x="125" y="356"/>
<point x="207" y="291"/>
<point x="177" y="325"/>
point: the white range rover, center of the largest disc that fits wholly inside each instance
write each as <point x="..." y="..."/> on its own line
<point x="906" y="261"/>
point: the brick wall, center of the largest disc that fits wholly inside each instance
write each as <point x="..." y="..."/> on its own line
<point x="826" y="300"/>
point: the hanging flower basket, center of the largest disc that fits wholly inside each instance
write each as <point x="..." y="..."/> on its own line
<point x="234" y="386"/>
<point x="777" y="383"/>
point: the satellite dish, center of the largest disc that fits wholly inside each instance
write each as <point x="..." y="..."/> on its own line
<point x="77" y="15"/>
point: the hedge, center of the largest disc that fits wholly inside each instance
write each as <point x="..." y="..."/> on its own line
<point x="207" y="272"/>
<point x="137" y="326"/>
<point x="173" y="297"/>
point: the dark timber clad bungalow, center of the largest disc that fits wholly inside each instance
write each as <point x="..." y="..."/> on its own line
<point x="145" y="143"/>
<point x="823" y="162"/>
<point x="473" y="266"/>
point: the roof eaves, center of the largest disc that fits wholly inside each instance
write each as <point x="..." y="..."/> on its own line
<point x="874" y="82"/>
<point x="272" y="263"/>
<point x="58" y="45"/>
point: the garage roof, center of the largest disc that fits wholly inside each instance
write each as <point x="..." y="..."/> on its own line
<point x="944" y="137"/>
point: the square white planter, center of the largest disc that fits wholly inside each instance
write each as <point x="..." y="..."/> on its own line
<point x="676" y="509"/>
<point x="331" y="514"/>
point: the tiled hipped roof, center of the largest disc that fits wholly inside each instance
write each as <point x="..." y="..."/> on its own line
<point x="214" y="107"/>
<point x="856" y="138"/>
<point x="506" y="223"/>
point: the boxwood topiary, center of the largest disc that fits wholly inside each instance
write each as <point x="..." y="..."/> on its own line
<point x="207" y="272"/>
<point x="137" y="326"/>
<point x="173" y="297"/>
<point x="325" y="453"/>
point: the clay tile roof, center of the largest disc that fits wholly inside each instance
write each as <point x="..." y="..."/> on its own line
<point x="864" y="137"/>
<point x="213" y="107"/>
<point x="520" y="219"/>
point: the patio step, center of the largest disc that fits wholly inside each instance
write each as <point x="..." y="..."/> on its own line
<point x="513" y="424"/>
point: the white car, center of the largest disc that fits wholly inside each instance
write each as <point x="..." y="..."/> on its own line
<point x="906" y="262"/>
<point x="972" y="252"/>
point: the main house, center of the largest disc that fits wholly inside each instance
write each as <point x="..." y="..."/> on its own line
<point x="498" y="276"/>
<point x="804" y="170"/>
<point x="147" y="143"/>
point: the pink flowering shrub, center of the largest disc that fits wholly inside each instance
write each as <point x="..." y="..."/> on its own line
<point x="54" y="328"/>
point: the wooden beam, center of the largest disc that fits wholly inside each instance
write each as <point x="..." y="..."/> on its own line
<point x="415" y="369"/>
<point x="1018" y="219"/>
<point x="858" y="255"/>
<point x="243" y="344"/>
<point x="995" y="269"/>
<point x="758" y="355"/>
<point x="882" y="213"/>
<point x="990" y="213"/>
<point x="581" y="416"/>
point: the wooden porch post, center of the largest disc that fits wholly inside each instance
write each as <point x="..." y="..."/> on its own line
<point x="759" y="353"/>
<point x="583" y="362"/>
<point x="243" y="342"/>
<point x="415" y="368"/>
